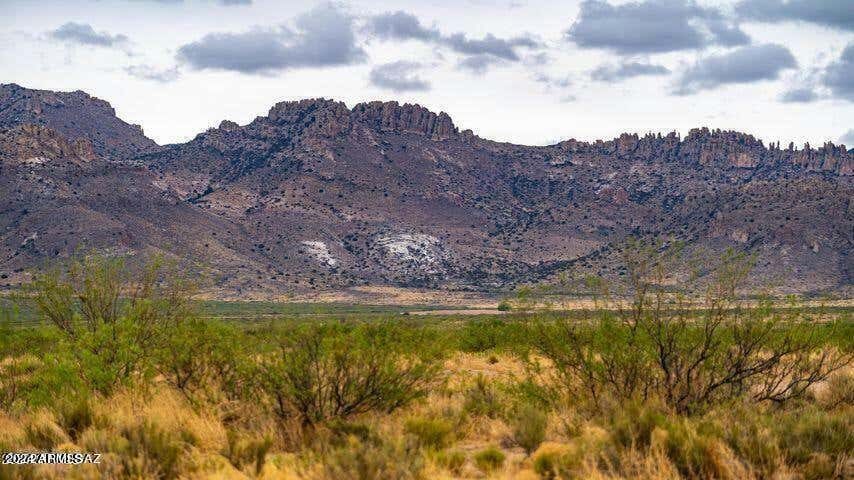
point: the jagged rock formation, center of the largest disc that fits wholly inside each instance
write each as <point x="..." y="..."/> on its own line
<point x="318" y="195"/>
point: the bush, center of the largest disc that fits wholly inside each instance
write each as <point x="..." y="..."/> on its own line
<point x="151" y="452"/>
<point x="204" y="359"/>
<point x="43" y="433"/>
<point x="337" y="371"/>
<point x="485" y="335"/>
<point x="647" y="342"/>
<point x="489" y="459"/>
<point x="110" y="336"/>
<point x="529" y="427"/>
<point x="75" y="415"/>
<point x="504" y="306"/>
<point x="392" y="459"/>
<point x="435" y="433"/>
<point x="451" y="460"/>
<point x="242" y="451"/>
<point x="481" y="399"/>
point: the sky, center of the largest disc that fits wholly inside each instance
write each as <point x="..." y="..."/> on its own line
<point x="532" y="72"/>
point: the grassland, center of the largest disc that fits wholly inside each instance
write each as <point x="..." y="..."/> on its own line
<point x="642" y="384"/>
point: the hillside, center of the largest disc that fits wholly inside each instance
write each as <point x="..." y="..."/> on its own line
<point x="316" y="195"/>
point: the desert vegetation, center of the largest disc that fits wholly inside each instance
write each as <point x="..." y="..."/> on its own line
<point x="669" y="374"/>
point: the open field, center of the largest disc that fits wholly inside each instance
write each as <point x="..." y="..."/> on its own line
<point x="648" y="384"/>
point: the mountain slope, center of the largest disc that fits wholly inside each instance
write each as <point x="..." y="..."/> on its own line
<point x="318" y="195"/>
<point x="73" y="115"/>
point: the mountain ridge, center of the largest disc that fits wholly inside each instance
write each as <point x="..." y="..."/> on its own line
<point x="316" y="195"/>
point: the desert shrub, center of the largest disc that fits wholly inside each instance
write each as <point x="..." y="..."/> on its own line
<point x="390" y="459"/>
<point x="205" y="360"/>
<point x="111" y="315"/>
<point x="75" y="415"/>
<point x="839" y="391"/>
<point x="482" y="399"/>
<point x="491" y="334"/>
<point x="553" y="460"/>
<point x="325" y="372"/>
<point x="241" y="451"/>
<point x="42" y="431"/>
<point x="451" y="460"/>
<point x="489" y="459"/>
<point x="435" y="433"/>
<point x="151" y="452"/>
<point x="646" y="342"/>
<point x="504" y="306"/>
<point x="529" y="427"/>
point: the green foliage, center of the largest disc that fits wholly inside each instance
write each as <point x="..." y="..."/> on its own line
<point x="646" y="342"/>
<point x="482" y="399"/>
<point x="390" y="459"/>
<point x="75" y="415"/>
<point x="110" y="335"/>
<point x="434" y="433"/>
<point x="529" y="427"/>
<point x="152" y="452"/>
<point x="504" y="306"/>
<point x="241" y="451"/>
<point x="489" y="459"/>
<point x="491" y="334"/>
<point x="451" y="460"/>
<point x="335" y="371"/>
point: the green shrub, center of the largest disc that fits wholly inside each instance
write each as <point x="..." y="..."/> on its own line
<point x="391" y="459"/>
<point x="504" y="306"/>
<point x="451" y="460"/>
<point x="325" y="372"/>
<point x="75" y="415"/>
<point x="489" y="459"/>
<point x="241" y="451"/>
<point x="151" y="452"/>
<point x="491" y="334"/>
<point x="43" y="433"/>
<point x="481" y="399"/>
<point x="435" y="433"/>
<point x="110" y="336"/>
<point x="529" y="427"/>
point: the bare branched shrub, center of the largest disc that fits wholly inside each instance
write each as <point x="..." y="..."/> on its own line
<point x="337" y="371"/>
<point x="648" y="338"/>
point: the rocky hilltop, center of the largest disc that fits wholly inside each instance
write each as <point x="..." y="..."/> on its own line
<point x="316" y="195"/>
<point x="74" y="115"/>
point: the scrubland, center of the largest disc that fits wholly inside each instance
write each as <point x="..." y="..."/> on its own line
<point x="651" y="381"/>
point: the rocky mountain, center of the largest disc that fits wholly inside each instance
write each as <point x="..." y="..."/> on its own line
<point x="73" y="115"/>
<point x="316" y="195"/>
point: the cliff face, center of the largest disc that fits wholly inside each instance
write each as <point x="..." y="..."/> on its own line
<point x="319" y="195"/>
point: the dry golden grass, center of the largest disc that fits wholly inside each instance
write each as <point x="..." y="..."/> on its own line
<point x="576" y="446"/>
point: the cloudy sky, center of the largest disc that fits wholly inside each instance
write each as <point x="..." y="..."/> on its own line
<point x="531" y="72"/>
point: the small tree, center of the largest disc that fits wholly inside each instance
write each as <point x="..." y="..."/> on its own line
<point x="113" y="315"/>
